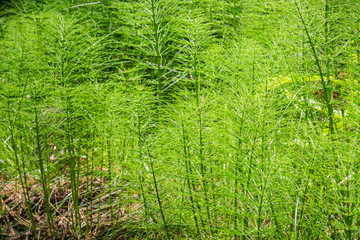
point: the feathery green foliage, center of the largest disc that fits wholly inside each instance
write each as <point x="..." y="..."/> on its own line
<point x="179" y="119"/>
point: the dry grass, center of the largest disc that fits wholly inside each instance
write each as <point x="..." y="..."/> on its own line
<point x="16" y="223"/>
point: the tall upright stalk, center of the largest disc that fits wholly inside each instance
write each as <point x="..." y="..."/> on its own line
<point x="157" y="193"/>
<point x="157" y="47"/>
<point x="324" y="83"/>
<point x="141" y="178"/>
<point x="237" y="176"/>
<point x="202" y="165"/>
<point x="88" y="182"/>
<point x="195" y="39"/>
<point x="43" y="174"/>
<point x="110" y="163"/>
<point x="102" y="138"/>
<point x="73" y="161"/>
<point x="327" y="33"/>
<point x="13" y="121"/>
<point x="189" y="177"/>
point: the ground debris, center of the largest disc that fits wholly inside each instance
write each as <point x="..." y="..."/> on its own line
<point x="16" y="224"/>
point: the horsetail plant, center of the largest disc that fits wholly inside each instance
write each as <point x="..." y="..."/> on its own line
<point x="39" y="151"/>
<point x="151" y="163"/>
<point x="179" y="119"/>
<point x="324" y="84"/>
<point x="189" y="173"/>
<point x="17" y="148"/>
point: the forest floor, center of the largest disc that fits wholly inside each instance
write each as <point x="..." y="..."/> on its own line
<point x="15" y="221"/>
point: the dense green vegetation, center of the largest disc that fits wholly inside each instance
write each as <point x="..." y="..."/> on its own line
<point x="180" y="119"/>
